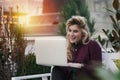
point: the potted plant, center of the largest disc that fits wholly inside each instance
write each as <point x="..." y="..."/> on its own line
<point x="112" y="35"/>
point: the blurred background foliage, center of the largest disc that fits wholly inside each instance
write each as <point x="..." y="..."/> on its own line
<point x="114" y="34"/>
<point x="75" y="7"/>
<point x="104" y="74"/>
<point x="13" y="61"/>
<point x="32" y="68"/>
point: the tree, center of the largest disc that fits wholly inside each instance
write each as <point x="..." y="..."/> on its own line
<point x="19" y="49"/>
<point x="75" y="7"/>
<point x="12" y="46"/>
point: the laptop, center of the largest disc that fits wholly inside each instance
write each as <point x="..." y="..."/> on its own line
<point x="51" y="50"/>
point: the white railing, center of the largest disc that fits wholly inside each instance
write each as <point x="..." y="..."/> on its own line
<point x="44" y="76"/>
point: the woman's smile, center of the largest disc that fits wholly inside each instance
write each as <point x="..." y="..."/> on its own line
<point x="74" y="33"/>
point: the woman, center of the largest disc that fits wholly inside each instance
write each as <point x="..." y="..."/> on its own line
<point x="83" y="54"/>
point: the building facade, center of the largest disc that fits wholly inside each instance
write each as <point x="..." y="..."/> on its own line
<point x="40" y="8"/>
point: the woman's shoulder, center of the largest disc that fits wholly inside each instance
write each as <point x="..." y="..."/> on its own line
<point x="94" y="46"/>
<point x="93" y="43"/>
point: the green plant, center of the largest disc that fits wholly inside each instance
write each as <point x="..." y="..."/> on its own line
<point x="104" y="74"/>
<point x="12" y="46"/>
<point x="75" y="7"/>
<point x="32" y="68"/>
<point x="114" y="34"/>
<point x="19" y="49"/>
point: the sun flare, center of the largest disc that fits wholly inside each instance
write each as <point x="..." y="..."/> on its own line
<point x="24" y="20"/>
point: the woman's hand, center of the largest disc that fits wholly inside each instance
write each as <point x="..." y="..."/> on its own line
<point x="75" y="65"/>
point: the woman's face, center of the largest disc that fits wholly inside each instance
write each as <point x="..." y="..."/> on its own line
<point x="74" y="33"/>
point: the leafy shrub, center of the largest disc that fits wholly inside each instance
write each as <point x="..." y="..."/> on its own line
<point x="31" y="67"/>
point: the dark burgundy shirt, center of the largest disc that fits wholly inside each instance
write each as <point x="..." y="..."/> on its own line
<point x="89" y="55"/>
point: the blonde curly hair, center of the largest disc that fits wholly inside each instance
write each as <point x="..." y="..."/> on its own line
<point x="82" y="24"/>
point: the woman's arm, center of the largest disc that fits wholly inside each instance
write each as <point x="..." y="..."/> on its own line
<point x="75" y="65"/>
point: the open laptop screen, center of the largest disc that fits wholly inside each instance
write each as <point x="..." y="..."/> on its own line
<point x="51" y="50"/>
